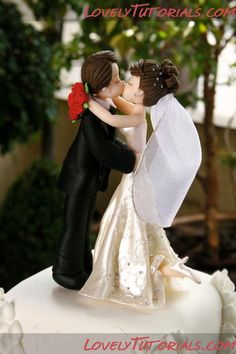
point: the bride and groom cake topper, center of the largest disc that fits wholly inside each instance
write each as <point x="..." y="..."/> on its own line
<point x="133" y="259"/>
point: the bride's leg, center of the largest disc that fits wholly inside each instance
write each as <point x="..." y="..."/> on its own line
<point x="180" y="270"/>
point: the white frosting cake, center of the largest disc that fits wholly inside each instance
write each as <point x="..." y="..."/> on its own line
<point x="43" y="310"/>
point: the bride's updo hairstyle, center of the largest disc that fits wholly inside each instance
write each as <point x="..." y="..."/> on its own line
<point x="156" y="79"/>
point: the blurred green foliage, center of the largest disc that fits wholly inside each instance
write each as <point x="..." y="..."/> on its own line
<point x="31" y="61"/>
<point x="51" y="15"/>
<point x="30" y="223"/>
<point x="27" y="82"/>
<point x="191" y="42"/>
<point x="229" y="158"/>
<point x="30" y="66"/>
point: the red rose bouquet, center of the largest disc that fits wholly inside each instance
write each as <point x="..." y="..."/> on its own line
<point x="78" y="100"/>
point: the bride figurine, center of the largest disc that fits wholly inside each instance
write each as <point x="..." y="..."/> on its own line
<point x="133" y="260"/>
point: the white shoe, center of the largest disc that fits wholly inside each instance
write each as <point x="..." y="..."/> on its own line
<point x="184" y="271"/>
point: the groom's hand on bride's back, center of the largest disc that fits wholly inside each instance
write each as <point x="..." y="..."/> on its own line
<point x="136" y="154"/>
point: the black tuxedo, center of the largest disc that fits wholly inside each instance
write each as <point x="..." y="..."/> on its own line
<point x="93" y="153"/>
<point x="86" y="168"/>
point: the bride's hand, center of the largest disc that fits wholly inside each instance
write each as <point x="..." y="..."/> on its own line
<point x="138" y="109"/>
<point x="123" y="105"/>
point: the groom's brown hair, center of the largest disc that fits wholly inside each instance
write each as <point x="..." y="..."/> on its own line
<point x="97" y="70"/>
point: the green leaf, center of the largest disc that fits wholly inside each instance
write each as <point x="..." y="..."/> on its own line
<point x="86" y="87"/>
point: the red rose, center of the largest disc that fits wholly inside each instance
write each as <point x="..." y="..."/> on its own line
<point x="77" y="100"/>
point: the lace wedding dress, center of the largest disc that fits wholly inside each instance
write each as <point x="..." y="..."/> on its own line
<point x="129" y="252"/>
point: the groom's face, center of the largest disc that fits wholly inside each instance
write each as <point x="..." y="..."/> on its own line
<point x="115" y="86"/>
<point x="132" y="91"/>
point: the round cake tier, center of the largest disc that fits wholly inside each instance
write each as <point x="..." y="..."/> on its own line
<point x="45" y="310"/>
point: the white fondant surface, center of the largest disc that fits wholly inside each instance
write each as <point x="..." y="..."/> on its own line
<point x="41" y="306"/>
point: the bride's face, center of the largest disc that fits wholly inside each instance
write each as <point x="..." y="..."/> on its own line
<point x="132" y="91"/>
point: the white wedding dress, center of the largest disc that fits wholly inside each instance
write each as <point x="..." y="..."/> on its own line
<point x="129" y="251"/>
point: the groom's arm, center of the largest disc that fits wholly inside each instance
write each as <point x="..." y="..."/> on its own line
<point x="110" y="154"/>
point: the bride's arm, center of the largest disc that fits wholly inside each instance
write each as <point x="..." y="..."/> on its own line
<point x="118" y="121"/>
<point x="123" y="105"/>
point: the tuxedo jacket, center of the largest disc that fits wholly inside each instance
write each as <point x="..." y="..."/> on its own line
<point x="93" y="153"/>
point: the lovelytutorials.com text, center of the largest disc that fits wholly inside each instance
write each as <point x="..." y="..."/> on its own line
<point x="146" y="344"/>
<point x="145" y="11"/>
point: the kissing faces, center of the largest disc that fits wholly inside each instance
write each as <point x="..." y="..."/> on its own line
<point x="115" y="86"/>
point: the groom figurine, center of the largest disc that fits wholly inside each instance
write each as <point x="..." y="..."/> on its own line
<point x="93" y="153"/>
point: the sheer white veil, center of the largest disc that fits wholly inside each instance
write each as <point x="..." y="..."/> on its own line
<point x="168" y="165"/>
